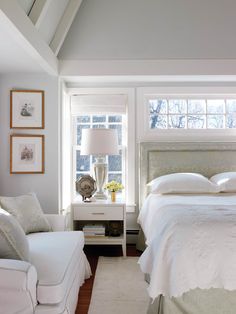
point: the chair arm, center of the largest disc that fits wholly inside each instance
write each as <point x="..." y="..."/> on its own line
<point x="57" y="222"/>
<point x="18" y="280"/>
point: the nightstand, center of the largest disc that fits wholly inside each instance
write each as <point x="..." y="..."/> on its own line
<point x="105" y="213"/>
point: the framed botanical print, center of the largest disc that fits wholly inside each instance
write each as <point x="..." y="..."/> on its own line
<point x="26" y="153"/>
<point x="27" y="109"/>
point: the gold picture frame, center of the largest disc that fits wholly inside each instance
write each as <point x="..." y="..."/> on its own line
<point x="26" y="154"/>
<point x="26" y="109"/>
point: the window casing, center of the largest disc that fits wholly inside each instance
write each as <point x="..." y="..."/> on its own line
<point x="108" y="101"/>
<point x="186" y="113"/>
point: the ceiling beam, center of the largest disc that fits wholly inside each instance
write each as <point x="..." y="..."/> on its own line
<point x="64" y="25"/>
<point x="39" y="11"/>
<point x="21" y="29"/>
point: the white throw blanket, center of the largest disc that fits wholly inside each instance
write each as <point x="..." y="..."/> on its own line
<point x="189" y="246"/>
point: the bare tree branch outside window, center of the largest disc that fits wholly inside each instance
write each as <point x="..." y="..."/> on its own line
<point x="192" y="113"/>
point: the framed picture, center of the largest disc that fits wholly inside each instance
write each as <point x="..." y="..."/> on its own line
<point x="26" y="153"/>
<point x="27" y="109"/>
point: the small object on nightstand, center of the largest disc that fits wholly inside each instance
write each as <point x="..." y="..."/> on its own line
<point x="115" y="228"/>
<point x="113" y="187"/>
<point x="86" y="187"/>
<point x="99" y="142"/>
<point x="94" y="230"/>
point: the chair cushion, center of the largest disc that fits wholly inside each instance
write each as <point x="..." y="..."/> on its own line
<point x="27" y="211"/>
<point x="13" y="241"/>
<point x="55" y="256"/>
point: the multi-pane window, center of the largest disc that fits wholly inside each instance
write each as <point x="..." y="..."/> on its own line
<point x="115" y="162"/>
<point x="184" y="113"/>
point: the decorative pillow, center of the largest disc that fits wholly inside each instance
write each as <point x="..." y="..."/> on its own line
<point x="27" y="211"/>
<point x="13" y="241"/>
<point x="177" y="183"/>
<point x="226" y="181"/>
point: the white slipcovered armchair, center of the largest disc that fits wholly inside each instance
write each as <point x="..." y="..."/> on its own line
<point x="50" y="282"/>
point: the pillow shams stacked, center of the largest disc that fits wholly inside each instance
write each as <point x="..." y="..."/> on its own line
<point x="27" y="211"/>
<point x="13" y="241"/>
<point x="183" y="183"/>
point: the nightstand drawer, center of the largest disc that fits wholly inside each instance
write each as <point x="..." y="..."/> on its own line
<point x="98" y="213"/>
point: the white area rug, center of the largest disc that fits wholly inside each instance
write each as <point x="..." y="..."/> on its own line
<point x="119" y="287"/>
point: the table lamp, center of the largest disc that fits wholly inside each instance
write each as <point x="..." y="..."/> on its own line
<point x="99" y="142"/>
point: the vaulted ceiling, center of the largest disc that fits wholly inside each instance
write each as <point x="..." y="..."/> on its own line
<point x="32" y="32"/>
<point x="105" y="38"/>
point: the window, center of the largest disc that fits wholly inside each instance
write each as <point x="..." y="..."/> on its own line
<point x="110" y="108"/>
<point x="186" y="113"/>
<point x="190" y="113"/>
<point x="116" y="163"/>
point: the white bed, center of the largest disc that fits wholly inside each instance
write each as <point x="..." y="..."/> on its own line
<point x="191" y="243"/>
<point x="191" y="239"/>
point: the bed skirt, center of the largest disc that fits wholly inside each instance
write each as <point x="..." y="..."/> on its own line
<point x="197" y="301"/>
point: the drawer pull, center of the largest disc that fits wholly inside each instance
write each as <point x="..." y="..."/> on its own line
<point x="98" y="213"/>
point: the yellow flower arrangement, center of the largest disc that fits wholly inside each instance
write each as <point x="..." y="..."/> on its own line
<point x="114" y="186"/>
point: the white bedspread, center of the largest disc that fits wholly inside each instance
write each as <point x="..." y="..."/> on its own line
<point x="189" y="246"/>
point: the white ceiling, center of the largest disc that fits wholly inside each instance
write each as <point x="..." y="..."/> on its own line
<point x="26" y="5"/>
<point x="13" y="58"/>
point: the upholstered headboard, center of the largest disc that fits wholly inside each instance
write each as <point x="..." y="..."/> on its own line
<point x="158" y="159"/>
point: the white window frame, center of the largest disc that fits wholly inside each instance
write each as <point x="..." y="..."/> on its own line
<point x="144" y="133"/>
<point x="130" y="138"/>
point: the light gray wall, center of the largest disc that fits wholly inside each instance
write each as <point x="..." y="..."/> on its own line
<point x="152" y="29"/>
<point x="46" y="185"/>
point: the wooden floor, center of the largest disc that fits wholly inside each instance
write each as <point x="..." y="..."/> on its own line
<point x="92" y="253"/>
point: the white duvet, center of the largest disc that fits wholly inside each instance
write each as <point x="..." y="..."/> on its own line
<point x="191" y="243"/>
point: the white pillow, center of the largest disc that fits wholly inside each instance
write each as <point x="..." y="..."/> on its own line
<point x="27" y="211"/>
<point x="226" y="181"/>
<point x="13" y="241"/>
<point x="181" y="183"/>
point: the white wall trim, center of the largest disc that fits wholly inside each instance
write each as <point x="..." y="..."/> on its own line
<point x="65" y="149"/>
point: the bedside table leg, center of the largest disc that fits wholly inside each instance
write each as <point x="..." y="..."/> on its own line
<point x="124" y="249"/>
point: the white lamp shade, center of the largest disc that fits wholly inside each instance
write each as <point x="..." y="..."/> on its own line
<point x="99" y="142"/>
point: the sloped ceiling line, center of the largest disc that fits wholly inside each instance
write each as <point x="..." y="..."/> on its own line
<point x="38" y="11"/>
<point x="28" y="13"/>
<point x="64" y="25"/>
